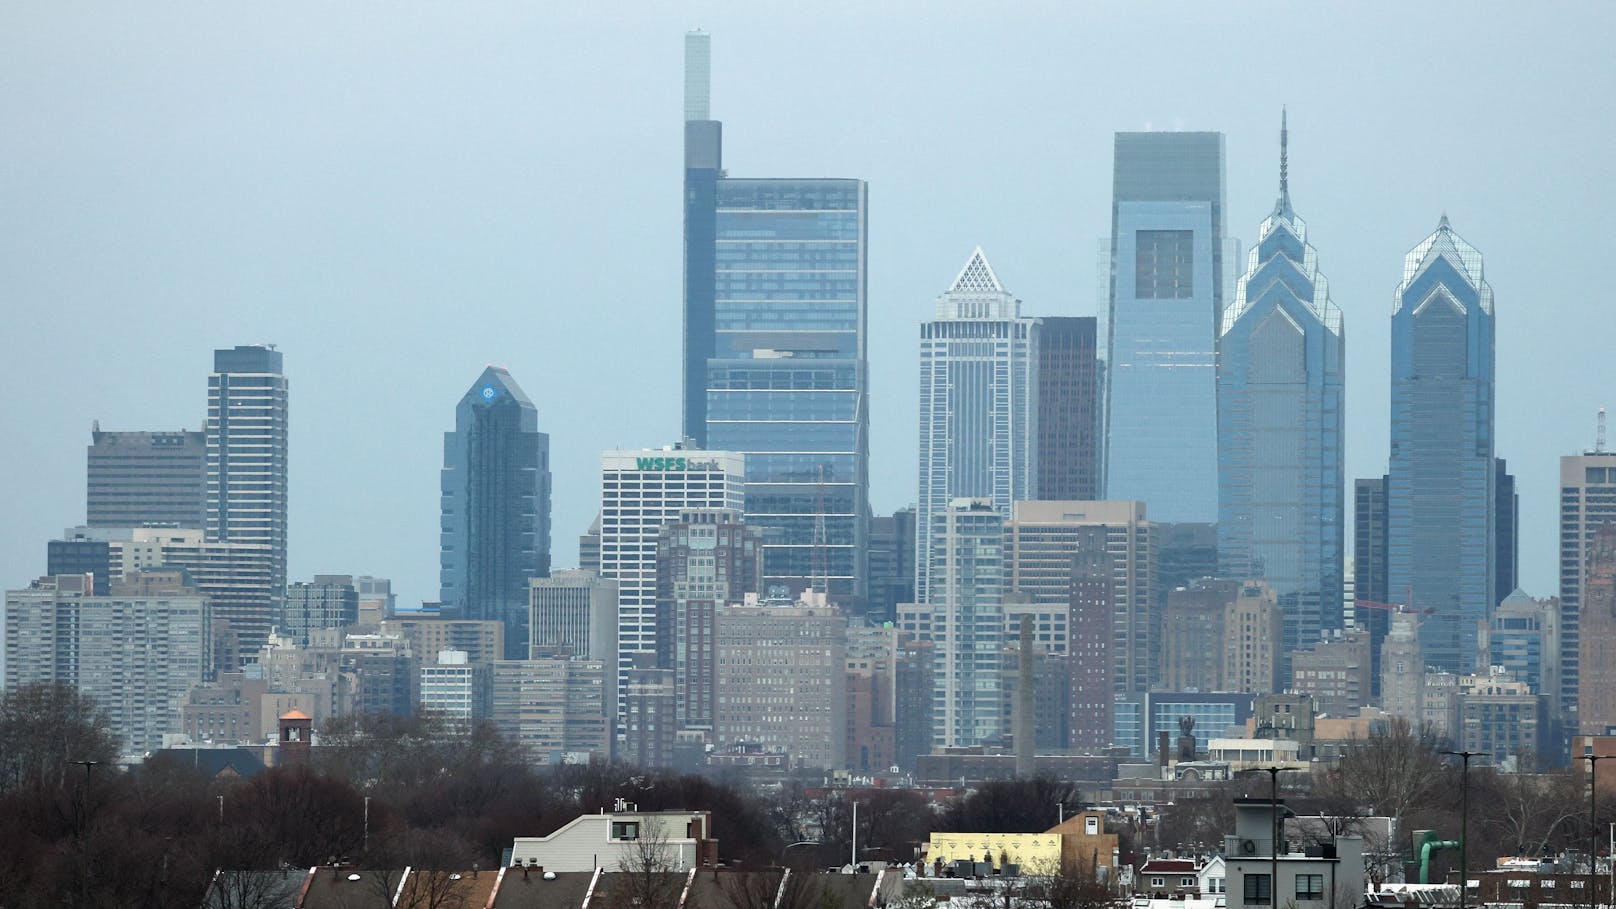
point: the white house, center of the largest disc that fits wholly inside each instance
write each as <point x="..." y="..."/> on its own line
<point x="675" y="840"/>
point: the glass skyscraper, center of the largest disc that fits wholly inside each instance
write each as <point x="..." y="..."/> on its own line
<point x="1281" y="479"/>
<point x="775" y="360"/>
<point x="1167" y="292"/>
<point x="1440" y="489"/>
<point x="496" y="507"/>
<point x="977" y="402"/>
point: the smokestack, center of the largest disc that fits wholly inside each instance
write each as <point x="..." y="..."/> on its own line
<point x="1026" y="734"/>
<point x="698" y="75"/>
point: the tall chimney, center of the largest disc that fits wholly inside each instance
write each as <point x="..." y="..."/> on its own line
<point x="1024" y="714"/>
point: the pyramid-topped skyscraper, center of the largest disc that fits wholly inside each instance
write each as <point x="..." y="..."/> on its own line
<point x="977" y="404"/>
<point x="496" y="506"/>
<point x="1441" y="522"/>
<point x="1281" y="477"/>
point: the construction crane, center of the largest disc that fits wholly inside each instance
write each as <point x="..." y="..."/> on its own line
<point x="1393" y="607"/>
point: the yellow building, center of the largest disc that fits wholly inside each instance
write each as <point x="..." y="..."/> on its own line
<point x="1032" y="851"/>
<point x="1079" y="843"/>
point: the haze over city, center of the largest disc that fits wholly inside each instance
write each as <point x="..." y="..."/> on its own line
<point x="397" y="196"/>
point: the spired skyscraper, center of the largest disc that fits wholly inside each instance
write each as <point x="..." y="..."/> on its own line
<point x="1166" y="294"/>
<point x="246" y="454"/>
<point x="1440" y="515"/>
<point x="977" y="404"/>
<point x="1281" y="358"/>
<point x="496" y="507"/>
<point x="774" y="350"/>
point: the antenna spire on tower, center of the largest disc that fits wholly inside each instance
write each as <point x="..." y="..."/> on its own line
<point x="1284" y="155"/>
<point x="1282" y="205"/>
<point x="1599" y="433"/>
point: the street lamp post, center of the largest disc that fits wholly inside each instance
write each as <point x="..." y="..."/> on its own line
<point x="1274" y="831"/>
<point x="1464" y="823"/>
<point x="1593" y="819"/>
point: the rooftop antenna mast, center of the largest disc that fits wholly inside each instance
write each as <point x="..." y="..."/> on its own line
<point x="1599" y="433"/>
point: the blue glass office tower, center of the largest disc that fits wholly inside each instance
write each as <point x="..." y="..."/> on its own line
<point x="1281" y="480"/>
<point x="978" y="401"/>
<point x="774" y="346"/>
<point x="1166" y="296"/>
<point x="1440" y="514"/>
<point x="496" y="507"/>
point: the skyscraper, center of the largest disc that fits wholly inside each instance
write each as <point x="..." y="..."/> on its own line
<point x="1587" y="502"/>
<point x="1281" y="479"/>
<point x="136" y="478"/>
<point x="967" y="552"/>
<point x="496" y="506"/>
<point x="1042" y="541"/>
<point x="1166" y="294"/>
<point x="1596" y="690"/>
<point x="331" y="601"/>
<point x="641" y="491"/>
<point x="1506" y="537"/>
<point x="247" y="444"/>
<point x="891" y="563"/>
<point x="1069" y="388"/>
<point x="136" y="650"/>
<point x="1369" y="565"/>
<point x="1440" y="508"/>
<point x="705" y="560"/>
<point x="977" y="402"/>
<point x="774" y="350"/>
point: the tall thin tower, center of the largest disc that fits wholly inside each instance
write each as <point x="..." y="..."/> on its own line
<point x="1281" y="479"/>
<point x="246" y="453"/>
<point x="775" y="365"/>
<point x="977" y="403"/>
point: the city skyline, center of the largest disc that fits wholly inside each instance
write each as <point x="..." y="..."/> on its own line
<point x="1048" y="261"/>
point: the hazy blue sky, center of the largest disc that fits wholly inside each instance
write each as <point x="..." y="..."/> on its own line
<point x="398" y="194"/>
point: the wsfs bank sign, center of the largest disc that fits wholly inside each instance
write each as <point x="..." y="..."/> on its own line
<point x="676" y="464"/>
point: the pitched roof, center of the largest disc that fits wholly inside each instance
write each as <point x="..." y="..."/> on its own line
<point x="977" y="277"/>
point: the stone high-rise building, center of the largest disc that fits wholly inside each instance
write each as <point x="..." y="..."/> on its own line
<point x="1042" y="539"/>
<point x="137" y="651"/>
<point x="783" y="674"/>
<point x="136" y="478"/>
<point x="1253" y="638"/>
<point x="1335" y="672"/>
<point x="329" y="601"/>
<point x="1596" y="625"/>
<point x="1587" y="503"/>
<point x="1402" y="670"/>
<point x="1195" y="616"/>
<point x="705" y="560"/>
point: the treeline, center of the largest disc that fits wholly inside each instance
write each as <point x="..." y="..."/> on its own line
<point x="1408" y="775"/>
<point x="385" y="792"/>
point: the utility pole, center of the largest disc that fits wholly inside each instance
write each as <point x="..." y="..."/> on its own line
<point x="1464" y="823"/>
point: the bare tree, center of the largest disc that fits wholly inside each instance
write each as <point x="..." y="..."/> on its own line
<point x="1395" y="773"/>
<point x="45" y="729"/>
<point x="1529" y="814"/>
<point x="648" y="874"/>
